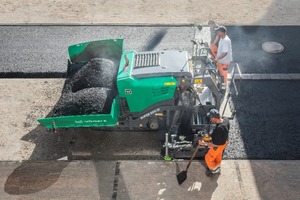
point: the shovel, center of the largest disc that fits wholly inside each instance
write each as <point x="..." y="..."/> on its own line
<point x="181" y="177"/>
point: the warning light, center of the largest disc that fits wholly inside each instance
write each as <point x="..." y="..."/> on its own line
<point x="198" y="81"/>
<point x="169" y="83"/>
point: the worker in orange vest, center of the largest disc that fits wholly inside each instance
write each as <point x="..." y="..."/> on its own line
<point x="219" y="140"/>
<point x="224" y="54"/>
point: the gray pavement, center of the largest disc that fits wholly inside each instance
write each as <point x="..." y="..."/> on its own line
<point x="41" y="51"/>
<point x="130" y="180"/>
<point x="44" y="49"/>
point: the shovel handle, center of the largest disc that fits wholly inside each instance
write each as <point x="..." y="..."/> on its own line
<point x="187" y="167"/>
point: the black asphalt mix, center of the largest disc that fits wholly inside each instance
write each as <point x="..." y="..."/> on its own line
<point x="89" y="90"/>
<point x="266" y="123"/>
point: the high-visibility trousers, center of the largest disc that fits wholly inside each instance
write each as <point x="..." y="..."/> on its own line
<point x="214" y="50"/>
<point x="223" y="69"/>
<point x="213" y="157"/>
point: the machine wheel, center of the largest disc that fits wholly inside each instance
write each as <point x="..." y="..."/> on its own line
<point x="153" y="124"/>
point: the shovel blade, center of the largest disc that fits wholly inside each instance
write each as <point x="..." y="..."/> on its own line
<point x="181" y="177"/>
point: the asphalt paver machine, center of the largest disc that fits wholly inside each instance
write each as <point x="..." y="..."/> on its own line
<point x="168" y="91"/>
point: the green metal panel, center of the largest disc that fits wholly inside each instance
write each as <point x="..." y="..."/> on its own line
<point x="84" y="52"/>
<point x="96" y="120"/>
<point x="144" y="92"/>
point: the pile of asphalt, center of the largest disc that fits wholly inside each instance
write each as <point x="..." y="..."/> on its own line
<point x="266" y="123"/>
<point x="89" y="90"/>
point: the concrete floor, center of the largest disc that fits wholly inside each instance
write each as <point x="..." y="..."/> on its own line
<point x="130" y="180"/>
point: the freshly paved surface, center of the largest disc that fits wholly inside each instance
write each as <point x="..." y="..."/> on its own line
<point x="134" y="180"/>
<point x="44" y="49"/>
<point x="265" y="125"/>
<point x="41" y="51"/>
<point x="247" y="48"/>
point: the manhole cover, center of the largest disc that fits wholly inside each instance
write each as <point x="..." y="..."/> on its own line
<point x="272" y="47"/>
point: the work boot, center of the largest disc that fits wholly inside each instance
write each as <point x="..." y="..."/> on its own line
<point x="208" y="173"/>
<point x="212" y="173"/>
<point x="216" y="171"/>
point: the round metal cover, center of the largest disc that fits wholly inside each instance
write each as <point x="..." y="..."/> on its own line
<point x="272" y="47"/>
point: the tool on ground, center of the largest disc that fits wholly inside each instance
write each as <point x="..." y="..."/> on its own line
<point x="181" y="177"/>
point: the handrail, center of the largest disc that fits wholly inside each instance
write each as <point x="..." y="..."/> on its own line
<point x="237" y="89"/>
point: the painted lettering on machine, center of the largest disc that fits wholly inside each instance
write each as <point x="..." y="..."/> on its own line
<point x="169" y="83"/>
<point x="90" y="121"/>
<point x="152" y="112"/>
